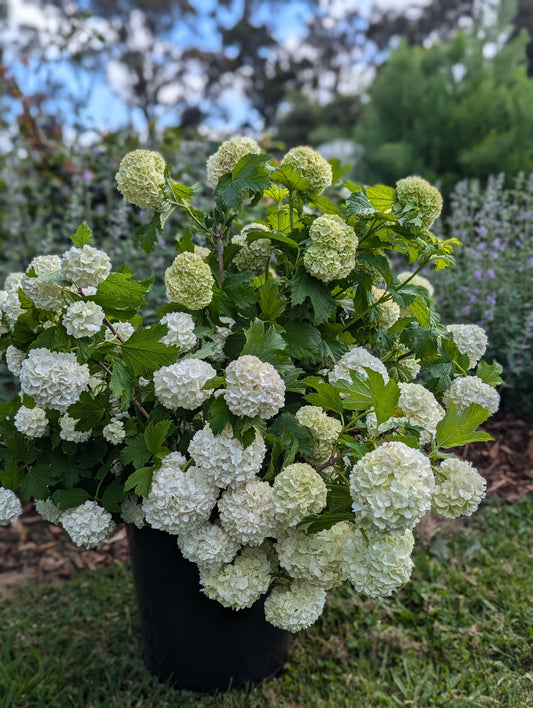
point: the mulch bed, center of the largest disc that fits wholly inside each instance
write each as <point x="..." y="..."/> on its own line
<point x="33" y="549"/>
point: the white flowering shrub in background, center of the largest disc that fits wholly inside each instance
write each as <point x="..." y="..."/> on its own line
<point x="288" y="415"/>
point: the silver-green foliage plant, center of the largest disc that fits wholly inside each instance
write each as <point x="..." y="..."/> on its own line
<point x="492" y="282"/>
<point x="288" y="416"/>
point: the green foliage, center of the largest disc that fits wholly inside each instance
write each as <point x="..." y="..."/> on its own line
<point x="450" y="110"/>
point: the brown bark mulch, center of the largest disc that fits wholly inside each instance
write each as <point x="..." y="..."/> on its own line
<point x="33" y="549"/>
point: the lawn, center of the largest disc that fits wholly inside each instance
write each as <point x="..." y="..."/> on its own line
<point x="460" y="634"/>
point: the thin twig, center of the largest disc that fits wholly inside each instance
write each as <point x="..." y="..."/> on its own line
<point x="220" y="249"/>
<point x="330" y="462"/>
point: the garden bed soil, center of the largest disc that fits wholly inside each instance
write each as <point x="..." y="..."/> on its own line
<point x="31" y="549"/>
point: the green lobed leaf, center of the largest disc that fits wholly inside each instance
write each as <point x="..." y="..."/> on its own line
<point x="358" y="204"/>
<point x="70" y="498"/>
<point x="155" y="435"/>
<point x="303" y="340"/>
<point x="384" y="395"/>
<point x="264" y="344"/>
<point x="140" y="481"/>
<point x="270" y="303"/>
<point x="144" y="353"/>
<point x="305" y="286"/>
<point x="120" y="296"/>
<point x="325" y="205"/>
<point x="457" y="429"/>
<point x="490" y="374"/>
<point x="135" y="451"/>
<point x="324" y="521"/>
<point x="121" y="382"/>
<point x="11" y="475"/>
<point x="112" y="496"/>
<point x="291" y="177"/>
<point x="83" y="235"/>
<point x="88" y="410"/>
<point x="249" y="173"/>
<point x="326" y="396"/>
<point x="381" y="196"/>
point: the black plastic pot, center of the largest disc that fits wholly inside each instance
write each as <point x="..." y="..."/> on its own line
<point x="189" y="640"/>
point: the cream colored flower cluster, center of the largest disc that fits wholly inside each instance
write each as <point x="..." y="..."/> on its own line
<point x="88" y="525"/>
<point x="471" y="389"/>
<point x="299" y="491"/>
<point x="247" y="512"/>
<point x="53" y="379"/>
<point x="296" y="607"/>
<point x="420" y="407"/>
<point x="470" y="340"/>
<point x="67" y="430"/>
<point x="180" y="331"/>
<point x="31" y="422"/>
<point x="178" y="501"/>
<point x="253" y="388"/>
<point x="330" y="254"/>
<point x="228" y="155"/>
<point x="189" y="281"/>
<point x="241" y="583"/>
<point x="460" y="491"/>
<point x="83" y="319"/>
<point x="324" y="431"/>
<point x="10" y="506"/>
<point x="85" y="267"/>
<point x="141" y="178"/>
<point x="356" y="359"/>
<point x="180" y="385"/>
<point x="421" y="195"/>
<point x="45" y="294"/>
<point x="209" y="546"/>
<point x="252" y="256"/>
<point x="391" y="488"/>
<point x="224" y="458"/>
<point x="376" y="565"/>
<point x="312" y="165"/>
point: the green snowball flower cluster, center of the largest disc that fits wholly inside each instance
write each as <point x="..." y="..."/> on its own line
<point x="141" y="178"/>
<point x="189" y="281"/>
<point x="423" y="196"/>
<point x="331" y="251"/>
<point x="312" y="166"/>
<point x="324" y="430"/>
<point x="254" y="255"/>
<point x="228" y="155"/>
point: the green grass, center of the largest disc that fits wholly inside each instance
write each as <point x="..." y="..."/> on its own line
<point x="460" y="634"/>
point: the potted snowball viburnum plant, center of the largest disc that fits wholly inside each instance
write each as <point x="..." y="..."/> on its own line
<point x="279" y="429"/>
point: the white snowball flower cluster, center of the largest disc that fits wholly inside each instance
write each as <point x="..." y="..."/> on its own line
<point x="88" y="525"/>
<point x="123" y="329"/>
<point x="324" y="430"/>
<point x="246" y="512"/>
<point x="378" y="565"/>
<point x="48" y="510"/>
<point x="14" y="359"/>
<point x="470" y="340"/>
<point x="471" y="389"/>
<point x="114" y="431"/>
<point x="354" y="360"/>
<point x="299" y="491"/>
<point x="209" y="546"/>
<point x="315" y="558"/>
<point x="241" y="583"/>
<point x="53" y="379"/>
<point x="412" y="365"/>
<point x="461" y="491"/>
<point x="180" y="330"/>
<point x="31" y="422"/>
<point x="223" y="457"/>
<point x="391" y="488"/>
<point x="179" y="500"/>
<point x="131" y="511"/>
<point x="45" y="294"/>
<point x="388" y="310"/>
<point x="228" y="155"/>
<point x="253" y="387"/>
<point x="417" y="280"/>
<point x="420" y="407"/>
<point x="180" y="385"/>
<point x="296" y="607"/>
<point x="83" y="319"/>
<point x="4" y="326"/>
<point x="11" y="308"/>
<point x="10" y="506"/>
<point x="67" y="430"/>
<point x="85" y="267"/>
